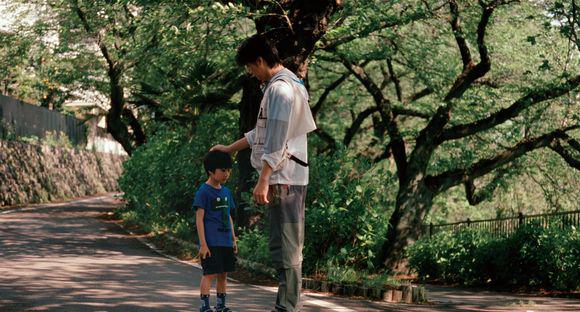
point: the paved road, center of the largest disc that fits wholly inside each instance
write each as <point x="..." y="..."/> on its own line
<point x="65" y="258"/>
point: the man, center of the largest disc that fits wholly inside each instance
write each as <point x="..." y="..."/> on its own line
<point x="279" y="153"/>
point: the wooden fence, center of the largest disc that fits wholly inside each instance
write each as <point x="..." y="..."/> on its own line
<point x="23" y="120"/>
<point x="506" y="226"/>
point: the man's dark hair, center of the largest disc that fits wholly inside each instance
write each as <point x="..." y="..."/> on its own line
<point x="257" y="46"/>
<point x="216" y="160"/>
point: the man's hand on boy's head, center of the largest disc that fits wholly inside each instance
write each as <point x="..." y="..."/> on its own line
<point x="204" y="252"/>
<point x="220" y="147"/>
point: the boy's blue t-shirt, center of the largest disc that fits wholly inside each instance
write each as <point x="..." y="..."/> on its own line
<point x="217" y="204"/>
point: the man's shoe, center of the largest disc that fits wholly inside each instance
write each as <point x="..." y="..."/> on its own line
<point x="223" y="309"/>
<point x="205" y="309"/>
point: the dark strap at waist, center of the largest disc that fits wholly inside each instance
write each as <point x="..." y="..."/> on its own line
<point x="300" y="162"/>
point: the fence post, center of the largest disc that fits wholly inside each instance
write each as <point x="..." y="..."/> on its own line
<point x="430" y="229"/>
<point x="520" y="219"/>
<point x="468" y="222"/>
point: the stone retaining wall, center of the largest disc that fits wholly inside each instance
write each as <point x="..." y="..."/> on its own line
<point x="31" y="173"/>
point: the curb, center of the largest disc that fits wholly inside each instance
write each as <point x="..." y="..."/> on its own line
<point x="395" y="294"/>
<point x="402" y="293"/>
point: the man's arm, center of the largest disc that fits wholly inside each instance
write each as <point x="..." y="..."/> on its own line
<point x="234" y="147"/>
<point x="282" y="94"/>
<point x="203" y="249"/>
<point x="260" y="193"/>
<point x="280" y="102"/>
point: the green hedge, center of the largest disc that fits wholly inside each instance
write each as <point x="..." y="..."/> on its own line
<point x="161" y="177"/>
<point x="347" y="208"/>
<point x="534" y="256"/>
<point x="348" y="203"/>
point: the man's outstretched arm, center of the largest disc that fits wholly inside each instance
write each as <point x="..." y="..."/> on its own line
<point x="234" y="147"/>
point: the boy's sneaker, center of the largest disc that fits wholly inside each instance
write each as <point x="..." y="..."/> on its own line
<point x="205" y="309"/>
<point x="223" y="309"/>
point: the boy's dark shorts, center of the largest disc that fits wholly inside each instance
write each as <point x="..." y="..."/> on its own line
<point x="222" y="260"/>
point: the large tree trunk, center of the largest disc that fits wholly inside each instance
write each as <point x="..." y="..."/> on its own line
<point x="414" y="201"/>
<point x="115" y="125"/>
<point x="249" y="107"/>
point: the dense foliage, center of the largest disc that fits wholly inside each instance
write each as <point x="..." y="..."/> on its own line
<point x="534" y="257"/>
<point x="347" y="197"/>
<point x="160" y="179"/>
<point x="496" y="81"/>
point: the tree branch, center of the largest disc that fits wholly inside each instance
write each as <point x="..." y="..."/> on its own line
<point x="426" y="140"/>
<point x="316" y="108"/>
<point x="458" y="33"/>
<point x="567" y="156"/>
<point x="420" y="94"/>
<point x="104" y="50"/>
<point x="451" y="178"/>
<point x="386" y="153"/>
<point x="395" y="80"/>
<point x="474" y="197"/>
<point x="402" y="111"/>
<point x="323" y="135"/>
<point x="428" y="137"/>
<point x="512" y="111"/>
<point x="387" y="114"/>
<point x="471" y="72"/>
<point x="356" y="124"/>
<point x="401" y="21"/>
<point x="573" y="143"/>
<point x="350" y="132"/>
<point x="138" y="133"/>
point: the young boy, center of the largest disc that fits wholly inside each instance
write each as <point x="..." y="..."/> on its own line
<point x="217" y="240"/>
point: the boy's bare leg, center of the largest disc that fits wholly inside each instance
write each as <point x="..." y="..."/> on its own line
<point x="221" y="283"/>
<point x="204" y="290"/>
<point x="221" y="292"/>
<point x="205" y="286"/>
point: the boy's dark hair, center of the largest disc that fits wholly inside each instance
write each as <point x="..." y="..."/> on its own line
<point x="257" y="46"/>
<point x="216" y="160"/>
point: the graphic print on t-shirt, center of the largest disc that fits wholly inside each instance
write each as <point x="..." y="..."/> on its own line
<point x="222" y="205"/>
<point x="217" y="204"/>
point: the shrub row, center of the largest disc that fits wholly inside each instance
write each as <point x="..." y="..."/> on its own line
<point x="532" y="257"/>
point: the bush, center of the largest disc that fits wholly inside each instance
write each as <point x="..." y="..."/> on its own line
<point x="56" y="139"/>
<point x="348" y="201"/>
<point x="159" y="181"/>
<point x="349" y="198"/>
<point x="253" y="246"/>
<point x="534" y="256"/>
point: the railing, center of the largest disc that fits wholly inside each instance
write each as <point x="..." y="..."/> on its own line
<point x="506" y="226"/>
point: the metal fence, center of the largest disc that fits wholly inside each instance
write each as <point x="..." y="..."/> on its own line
<point x="23" y="120"/>
<point x="506" y="226"/>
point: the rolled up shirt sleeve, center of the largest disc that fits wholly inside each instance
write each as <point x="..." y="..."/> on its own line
<point x="280" y="101"/>
<point x="250" y="136"/>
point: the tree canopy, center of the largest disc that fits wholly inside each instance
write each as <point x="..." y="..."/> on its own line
<point x="450" y="104"/>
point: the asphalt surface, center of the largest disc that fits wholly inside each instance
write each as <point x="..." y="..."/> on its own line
<point x="65" y="257"/>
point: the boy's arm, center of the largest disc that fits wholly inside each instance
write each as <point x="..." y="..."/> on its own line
<point x="204" y="249"/>
<point x="234" y="238"/>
